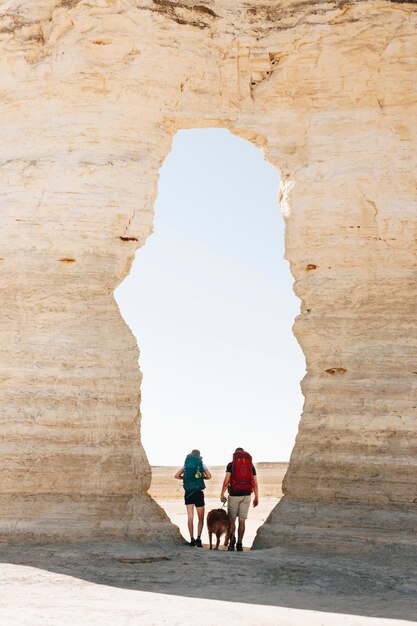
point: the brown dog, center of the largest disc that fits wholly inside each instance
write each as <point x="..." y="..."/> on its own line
<point x="219" y="522"/>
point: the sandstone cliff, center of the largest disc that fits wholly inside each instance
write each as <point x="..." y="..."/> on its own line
<point x="92" y="92"/>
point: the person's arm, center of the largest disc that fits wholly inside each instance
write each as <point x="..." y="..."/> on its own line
<point x="179" y="474"/>
<point x="225" y="484"/>
<point x="255" y="491"/>
<point x="206" y="474"/>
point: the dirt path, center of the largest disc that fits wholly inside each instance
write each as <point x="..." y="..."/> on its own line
<point x="177" y="514"/>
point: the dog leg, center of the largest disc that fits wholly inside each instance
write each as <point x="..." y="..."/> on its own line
<point x="218" y="539"/>
<point x="211" y="543"/>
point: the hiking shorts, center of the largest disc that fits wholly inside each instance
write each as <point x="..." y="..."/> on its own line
<point x="238" y="506"/>
<point x="194" y="497"/>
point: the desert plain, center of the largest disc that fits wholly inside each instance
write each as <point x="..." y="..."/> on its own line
<point x="168" y="492"/>
<point x="128" y="583"/>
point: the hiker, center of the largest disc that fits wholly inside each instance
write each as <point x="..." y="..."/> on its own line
<point x="193" y="474"/>
<point x="241" y="481"/>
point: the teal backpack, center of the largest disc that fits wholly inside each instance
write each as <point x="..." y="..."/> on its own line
<point x="193" y="473"/>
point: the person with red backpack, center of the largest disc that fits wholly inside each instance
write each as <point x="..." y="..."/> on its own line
<point x="241" y="482"/>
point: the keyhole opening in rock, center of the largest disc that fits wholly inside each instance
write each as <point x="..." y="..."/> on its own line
<point x="210" y="300"/>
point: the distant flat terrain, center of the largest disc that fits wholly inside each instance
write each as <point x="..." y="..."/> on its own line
<point x="165" y="487"/>
<point x="169" y="492"/>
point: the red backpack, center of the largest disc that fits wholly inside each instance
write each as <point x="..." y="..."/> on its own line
<point x="242" y="475"/>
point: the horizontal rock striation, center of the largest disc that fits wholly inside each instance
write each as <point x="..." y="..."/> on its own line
<point x="92" y="94"/>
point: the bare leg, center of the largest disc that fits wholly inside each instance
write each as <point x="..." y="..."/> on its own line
<point x="190" y="514"/>
<point x="200" y="513"/>
<point x="233" y="533"/>
<point x="241" y="530"/>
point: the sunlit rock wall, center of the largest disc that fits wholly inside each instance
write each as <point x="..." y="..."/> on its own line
<point x="91" y="95"/>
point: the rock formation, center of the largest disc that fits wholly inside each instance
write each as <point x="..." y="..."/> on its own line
<point x="92" y="92"/>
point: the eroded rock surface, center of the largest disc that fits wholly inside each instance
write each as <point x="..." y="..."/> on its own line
<point x="92" y="93"/>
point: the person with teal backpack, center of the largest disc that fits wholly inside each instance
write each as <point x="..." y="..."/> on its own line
<point x="192" y="475"/>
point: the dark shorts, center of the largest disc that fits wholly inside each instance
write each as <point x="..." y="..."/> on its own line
<point x="194" y="497"/>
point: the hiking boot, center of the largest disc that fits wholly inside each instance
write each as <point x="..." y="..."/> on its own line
<point x="239" y="547"/>
<point x="198" y="543"/>
<point x="231" y="547"/>
<point x="193" y="542"/>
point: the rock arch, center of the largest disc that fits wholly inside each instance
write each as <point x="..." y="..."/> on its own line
<point x="92" y="93"/>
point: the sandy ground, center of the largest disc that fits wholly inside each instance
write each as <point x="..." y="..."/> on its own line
<point x="176" y="512"/>
<point x="168" y="492"/>
<point x="122" y="584"/>
<point x="127" y="584"/>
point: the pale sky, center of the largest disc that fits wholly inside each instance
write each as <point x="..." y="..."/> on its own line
<point x="210" y="301"/>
